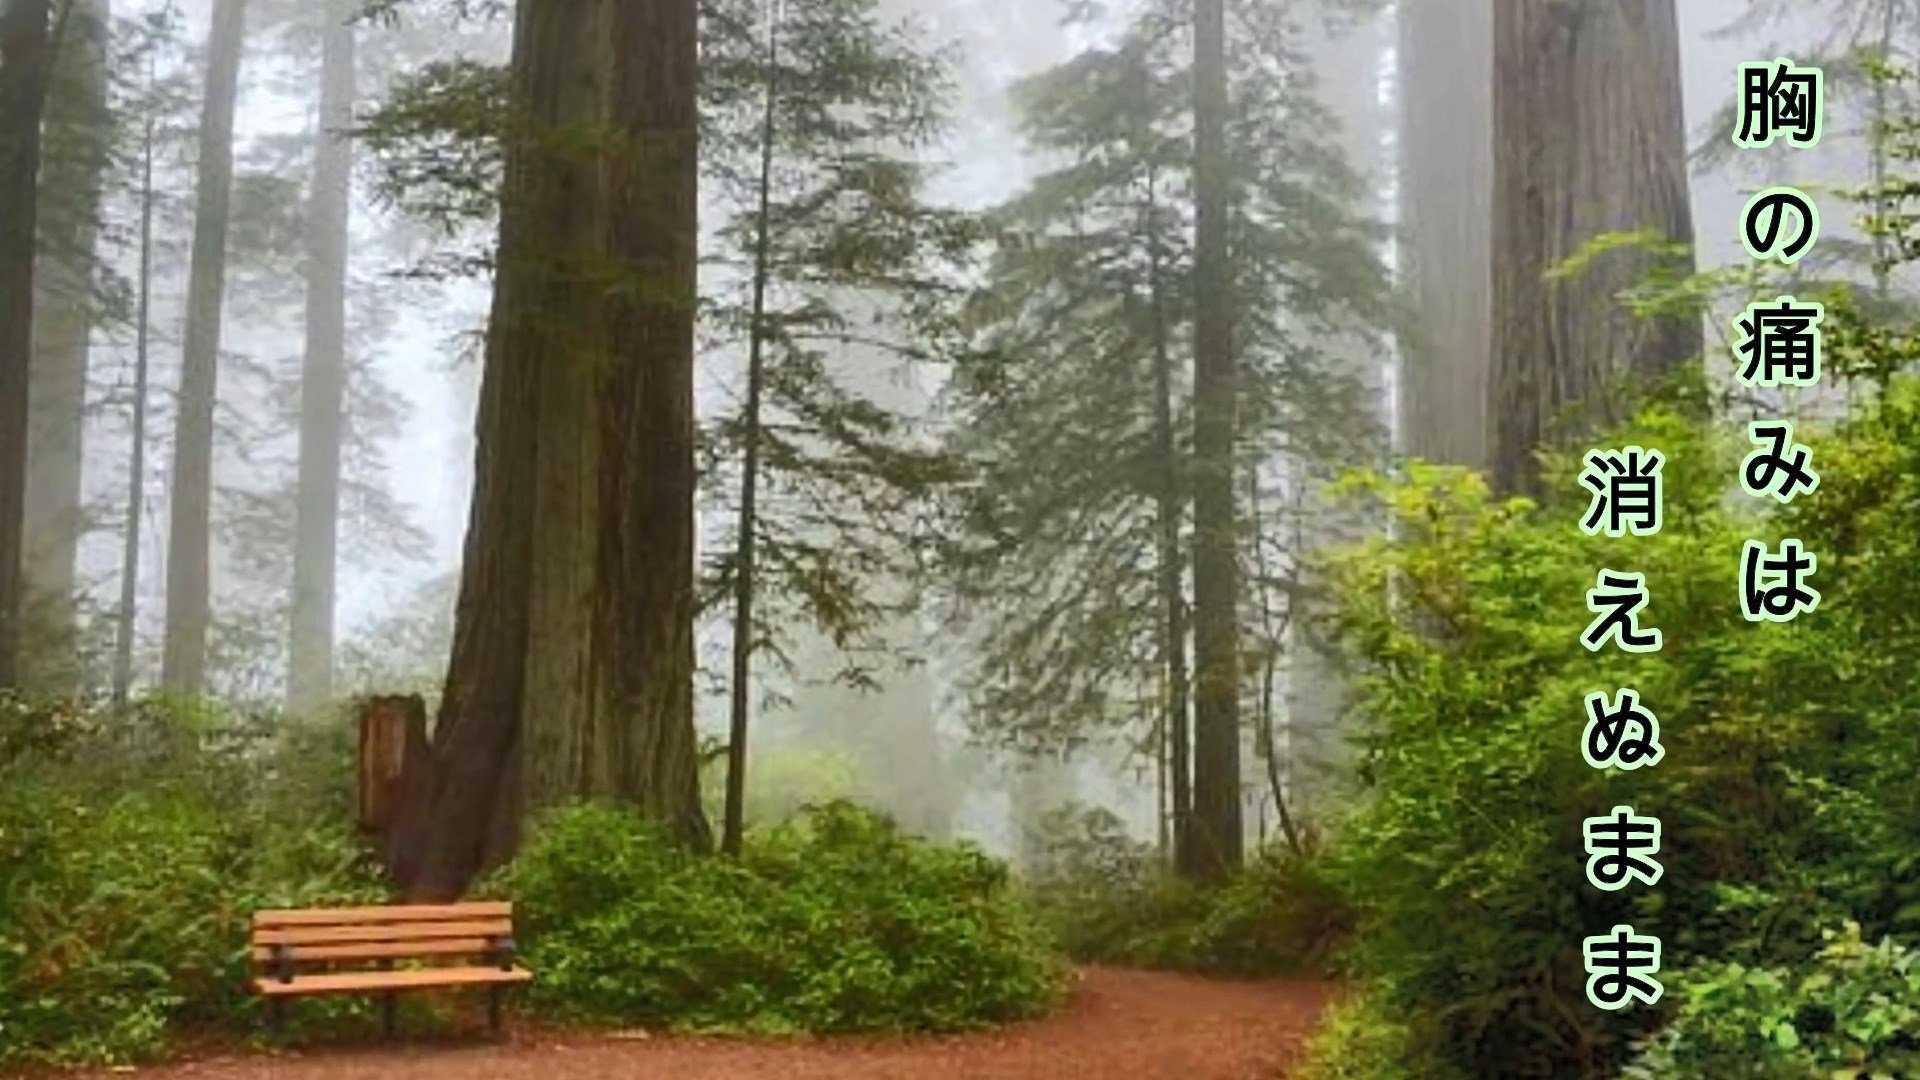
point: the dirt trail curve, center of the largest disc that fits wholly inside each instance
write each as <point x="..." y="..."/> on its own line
<point x="1123" y="1025"/>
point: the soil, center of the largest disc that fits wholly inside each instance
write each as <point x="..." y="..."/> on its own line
<point x="1124" y="1025"/>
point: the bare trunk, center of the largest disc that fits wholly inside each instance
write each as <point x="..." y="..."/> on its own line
<point x="24" y="35"/>
<point x="73" y="160"/>
<point x="323" y="377"/>
<point x="735" y="811"/>
<point x="572" y="669"/>
<point x="137" y="452"/>
<point x="1175" y="721"/>
<point x="1589" y="140"/>
<point x="189" y="577"/>
<point x="1218" y="841"/>
<point x="1446" y="222"/>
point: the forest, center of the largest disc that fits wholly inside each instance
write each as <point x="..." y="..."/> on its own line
<point x="964" y="538"/>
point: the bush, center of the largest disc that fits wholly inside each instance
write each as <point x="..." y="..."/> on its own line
<point x="1854" y="1010"/>
<point x="1109" y="899"/>
<point x="132" y="853"/>
<point x="832" y="922"/>
<point x="1359" y="1038"/>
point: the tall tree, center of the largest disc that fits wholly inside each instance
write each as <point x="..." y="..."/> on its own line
<point x="1446" y="222"/>
<point x="1218" y="833"/>
<point x="25" y="53"/>
<point x="572" y="666"/>
<point x="1589" y="140"/>
<point x="189" y="555"/>
<point x="323" y="374"/>
<point x="76" y="137"/>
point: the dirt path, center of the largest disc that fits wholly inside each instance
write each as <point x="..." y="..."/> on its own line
<point x="1123" y="1025"/>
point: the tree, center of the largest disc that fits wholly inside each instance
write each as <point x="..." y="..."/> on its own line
<point x="25" y="52"/>
<point x="1218" y="838"/>
<point x="572" y="666"/>
<point x="323" y="374"/>
<point x="839" y="257"/>
<point x="76" y="136"/>
<point x="1445" y="185"/>
<point x="189" y="573"/>
<point x="1588" y="141"/>
<point x="1066" y="552"/>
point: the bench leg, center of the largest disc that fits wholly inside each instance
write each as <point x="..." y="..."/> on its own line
<point x="493" y="1010"/>
<point x="276" y="1014"/>
<point x="386" y="1015"/>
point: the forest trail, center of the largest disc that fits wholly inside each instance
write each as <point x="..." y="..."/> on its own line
<point x="1125" y="1025"/>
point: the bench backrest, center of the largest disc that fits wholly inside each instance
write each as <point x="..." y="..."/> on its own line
<point x="283" y="940"/>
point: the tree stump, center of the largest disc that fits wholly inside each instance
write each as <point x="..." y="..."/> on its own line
<point x="391" y="730"/>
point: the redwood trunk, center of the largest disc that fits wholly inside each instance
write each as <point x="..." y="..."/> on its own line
<point x="1217" y="843"/>
<point x="1588" y="140"/>
<point x="323" y="378"/>
<point x="23" y="60"/>
<point x="189" y="576"/>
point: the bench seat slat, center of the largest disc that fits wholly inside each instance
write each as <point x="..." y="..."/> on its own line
<point x="363" y="982"/>
<point x="377" y="950"/>
<point x="394" y="913"/>
<point x="343" y="935"/>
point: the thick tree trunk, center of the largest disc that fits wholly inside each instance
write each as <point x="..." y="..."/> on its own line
<point x="646" y="414"/>
<point x="1218" y="839"/>
<point x="75" y="138"/>
<point x="1446" y="223"/>
<point x="323" y="377"/>
<point x="572" y="667"/>
<point x="189" y="573"/>
<point x="24" y="33"/>
<point x="1588" y="139"/>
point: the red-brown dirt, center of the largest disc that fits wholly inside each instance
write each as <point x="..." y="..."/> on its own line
<point x="1125" y="1025"/>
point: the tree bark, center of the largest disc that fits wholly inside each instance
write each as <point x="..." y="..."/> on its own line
<point x="1589" y="139"/>
<point x="1218" y="840"/>
<point x="189" y="577"/>
<point x="572" y="667"/>
<point x="323" y="377"/>
<point x="24" y="34"/>
<point x="75" y="144"/>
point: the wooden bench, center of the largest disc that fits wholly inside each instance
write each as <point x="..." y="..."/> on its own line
<point x="356" y="951"/>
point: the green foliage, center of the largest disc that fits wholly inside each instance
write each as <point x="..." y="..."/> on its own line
<point x="133" y="847"/>
<point x="1110" y="899"/>
<point x="1360" y="1038"/>
<point x="1853" y="1011"/>
<point x="1786" y="795"/>
<point x="832" y="922"/>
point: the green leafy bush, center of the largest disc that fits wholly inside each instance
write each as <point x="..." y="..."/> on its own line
<point x="831" y="922"/>
<point x="1854" y="1011"/>
<point x="1108" y="898"/>
<point x="132" y="851"/>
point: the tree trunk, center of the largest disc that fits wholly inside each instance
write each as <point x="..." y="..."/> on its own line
<point x="24" y="34"/>
<point x="75" y="144"/>
<point x="646" y="413"/>
<point x="1218" y="839"/>
<point x="1175" y="720"/>
<point x="1446" y="222"/>
<point x="1589" y="139"/>
<point x="189" y="578"/>
<point x="735" y="811"/>
<point x="572" y="666"/>
<point x="137" y="453"/>
<point x="323" y="377"/>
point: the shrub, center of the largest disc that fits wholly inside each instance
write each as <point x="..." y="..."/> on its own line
<point x="1854" y="1010"/>
<point x="832" y="922"/>
<point x="131" y="854"/>
<point x="1359" y="1038"/>
<point x="1108" y="898"/>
